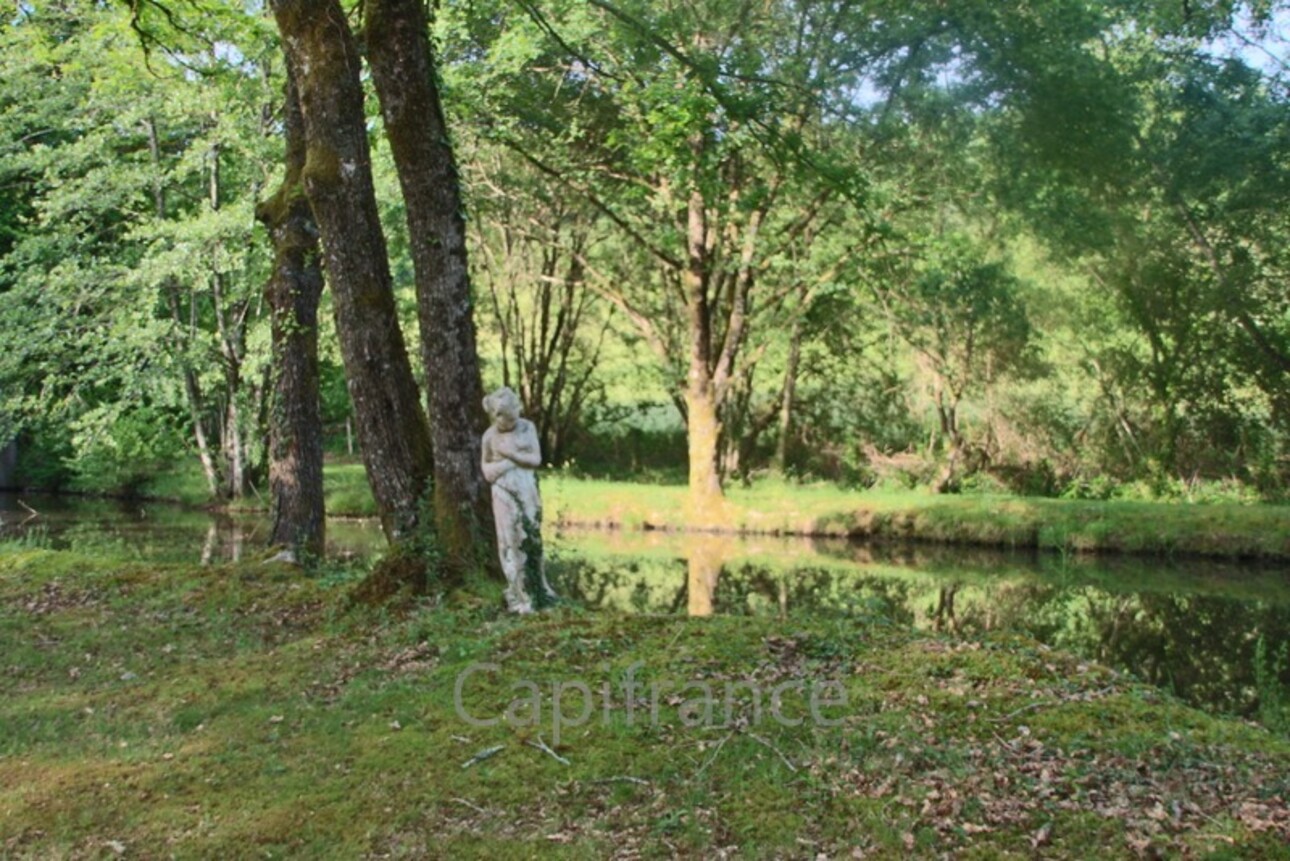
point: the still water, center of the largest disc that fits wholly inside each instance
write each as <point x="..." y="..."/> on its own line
<point x="1208" y="631"/>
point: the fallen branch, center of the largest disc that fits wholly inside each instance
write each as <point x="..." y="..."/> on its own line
<point x="27" y="508"/>
<point x="471" y="805"/>
<point x="720" y="745"/>
<point x="483" y="755"/>
<point x="763" y="741"/>
<point x="542" y="746"/>
<point x="622" y="778"/>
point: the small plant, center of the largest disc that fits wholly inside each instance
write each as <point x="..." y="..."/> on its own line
<point x="1274" y="701"/>
<point x="534" y="565"/>
<point x="33" y="538"/>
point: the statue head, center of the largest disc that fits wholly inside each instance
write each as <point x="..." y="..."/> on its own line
<point x="503" y="407"/>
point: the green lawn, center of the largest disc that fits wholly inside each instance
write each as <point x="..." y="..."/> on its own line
<point x="243" y="711"/>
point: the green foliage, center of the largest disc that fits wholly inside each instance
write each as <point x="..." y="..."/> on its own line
<point x="122" y="453"/>
<point x="132" y="263"/>
<point x="1043" y="244"/>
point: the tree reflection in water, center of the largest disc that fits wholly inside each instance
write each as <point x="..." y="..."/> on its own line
<point x="1187" y="627"/>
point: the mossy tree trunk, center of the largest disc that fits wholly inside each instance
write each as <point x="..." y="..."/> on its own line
<point x="402" y="64"/>
<point x="337" y="178"/>
<point x="293" y="291"/>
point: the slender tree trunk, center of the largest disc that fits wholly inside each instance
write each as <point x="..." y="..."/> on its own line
<point x="230" y="319"/>
<point x="403" y="70"/>
<point x="948" y="415"/>
<point x="171" y="289"/>
<point x="787" y="395"/>
<point x="293" y="291"/>
<point x="337" y="177"/>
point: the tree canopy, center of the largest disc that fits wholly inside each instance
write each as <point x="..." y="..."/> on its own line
<point x="1039" y="246"/>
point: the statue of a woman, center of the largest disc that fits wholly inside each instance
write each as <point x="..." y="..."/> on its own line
<point x="510" y="455"/>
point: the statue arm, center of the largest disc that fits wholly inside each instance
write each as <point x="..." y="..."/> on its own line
<point x="493" y="465"/>
<point x="528" y="453"/>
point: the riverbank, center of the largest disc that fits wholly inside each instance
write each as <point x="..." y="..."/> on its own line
<point x="778" y="508"/>
<point x="157" y="710"/>
<point x="774" y="507"/>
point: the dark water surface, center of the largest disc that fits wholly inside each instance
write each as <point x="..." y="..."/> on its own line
<point x="1210" y="631"/>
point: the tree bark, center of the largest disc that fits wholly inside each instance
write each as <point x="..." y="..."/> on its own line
<point x="399" y="55"/>
<point x="703" y="423"/>
<point x="337" y="178"/>
<point x="293" y="291"/>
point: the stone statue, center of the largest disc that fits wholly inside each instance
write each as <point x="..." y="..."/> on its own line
<point x="510" y="455"/>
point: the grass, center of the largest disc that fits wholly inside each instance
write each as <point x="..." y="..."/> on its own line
<point x="782" y="508"/>
<point x="232" y="711"/>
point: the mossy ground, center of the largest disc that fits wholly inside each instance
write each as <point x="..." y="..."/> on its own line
<point x="243" y="711"/>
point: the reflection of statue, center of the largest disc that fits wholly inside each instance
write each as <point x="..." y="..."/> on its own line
<point x="510" y="455"/>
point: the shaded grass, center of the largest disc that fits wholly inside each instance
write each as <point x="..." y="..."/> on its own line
<point x="237" y="710"/>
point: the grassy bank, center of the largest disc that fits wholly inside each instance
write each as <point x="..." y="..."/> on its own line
<point x="774" y="507"/>
<point x="232" y="711"/>
<point x="783" y="508"/>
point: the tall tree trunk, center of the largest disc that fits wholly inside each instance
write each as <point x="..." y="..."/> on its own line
<point x="230" y="320"/>
<point x="293" y="291"/>
<point x="402" y="65"/>
<point x="232" y="333"/>
<point x="337" y="177"/>
<point x="702" y="416"/>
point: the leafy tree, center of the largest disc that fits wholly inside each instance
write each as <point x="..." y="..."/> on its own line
<point x="1182" y="231"/>
<point x="531" y="241"/>
<point x="134" y="237"/>
<point x="962" y="316"/>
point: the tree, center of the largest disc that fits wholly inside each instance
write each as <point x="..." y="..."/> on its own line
<point x="139" y="185"/>
<point x="962" y="316"/>
<point x="683" y="126"/>
<point x="403" y="69"/>
<point x="293" y="292"/>
<point x="337" y="179"/>
<point x="530" y="241"/>
<point x="1177" y="218"/>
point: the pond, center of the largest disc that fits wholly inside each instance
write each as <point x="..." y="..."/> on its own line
<point x="1212" y="632"/>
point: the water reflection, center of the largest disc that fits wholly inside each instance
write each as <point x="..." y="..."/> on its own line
<point x="1190" y="627"/>
<point x="1193" y="627"/>
<point x="158" y="531"/>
